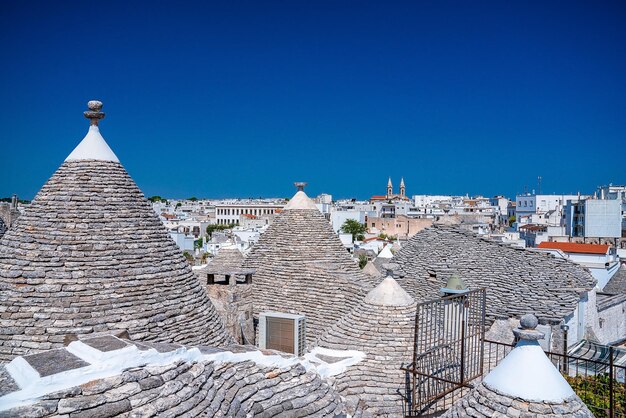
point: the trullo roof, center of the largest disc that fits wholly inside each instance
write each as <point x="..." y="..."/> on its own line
<point x="89" y="255"/>
<point x="371" y="270"/>
<point x="3" y="228"/>
<point x="303" y="268"/>
<point x="517" y="280"/>
<point x="381" y="326"/>
<point x="229" y="260"/>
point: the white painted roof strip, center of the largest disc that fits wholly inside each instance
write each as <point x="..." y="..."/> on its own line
<point x="93" y="147"/>
<point x="325" y="369"/>
<point x="112" y="363"/>
<point x="526" y="372"/>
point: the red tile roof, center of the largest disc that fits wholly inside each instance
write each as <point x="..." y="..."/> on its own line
<point x="373" y="239"/>
<point x="572" y="247"/>
<point x="532" y="227"/>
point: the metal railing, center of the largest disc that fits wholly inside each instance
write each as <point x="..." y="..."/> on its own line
<point x="447" y="352"/>
<point x="599" y="383"/>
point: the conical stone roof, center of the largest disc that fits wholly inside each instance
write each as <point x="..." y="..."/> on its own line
<point x="3" y="228"/>
<point x="229" y="260"/>
<point x="384" y="257"/>
<point x="525" y="383"/>
<point x="381" y="326"/>
<point x="303" y="268"/>
<point x="386" y="252"/>
<point x="517" y="280"/>
<point x="89" y="255"/>
<point x="371" y="270"/>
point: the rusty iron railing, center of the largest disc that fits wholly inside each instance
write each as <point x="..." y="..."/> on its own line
<point x="447" y="352"/>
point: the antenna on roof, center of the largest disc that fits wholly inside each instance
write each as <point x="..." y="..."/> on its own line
<point x="94" y="114"/>
<point x="539" y="184"/>
<point x="300" y="185"/>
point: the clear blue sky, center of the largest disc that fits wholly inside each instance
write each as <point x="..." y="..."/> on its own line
<point x="243" y="98"/>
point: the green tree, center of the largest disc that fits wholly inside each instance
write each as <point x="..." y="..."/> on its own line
<point x="356" y="228"/>
<point x="362" y="261"/>
<point x="189" y="257"/>
<point x="198" y="243"/>
<point x="156" y="198"/>
<point x="512" y="219"/>
<point x="215" y="227"/>
<point x="193" y="199"/>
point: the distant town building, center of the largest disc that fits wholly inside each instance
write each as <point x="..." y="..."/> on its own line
<point x="401" y="227"/>
<point x="601" y="260"/>
<point x="594" y="218"/>
<point x="230" y="213"/>
<point x="390" y="195"/>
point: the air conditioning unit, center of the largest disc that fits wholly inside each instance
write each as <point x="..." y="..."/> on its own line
<point x="282" y="332"/>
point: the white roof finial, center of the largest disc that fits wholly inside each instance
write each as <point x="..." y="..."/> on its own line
<point x="93" y="146"/>
<point x="526" y="372"/>
<point x="389" y="293"/>
<point x="300" y="200"/>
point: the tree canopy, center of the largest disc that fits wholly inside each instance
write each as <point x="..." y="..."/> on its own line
<point x="215" y="227"/>
<point x="157" y="198"/>
<point x="354" y="227"/>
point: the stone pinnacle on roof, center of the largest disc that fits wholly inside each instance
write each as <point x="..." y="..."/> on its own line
<point x="94" y="114"/>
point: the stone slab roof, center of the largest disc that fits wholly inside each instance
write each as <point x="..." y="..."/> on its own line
<point x="383" y="330"/>
<point x="605" y="301"/>
<point x="518" y="281"/>
<point x="617" y="284"/>
<point x="227" y="261"/>
<point x="90" y="255"/>
<point x="303" y="268"/>
<point x="371" y="270"/>
<point x="3" y="228"/>
<point x="487" y="402"/>
<point x="124" y="378"/>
